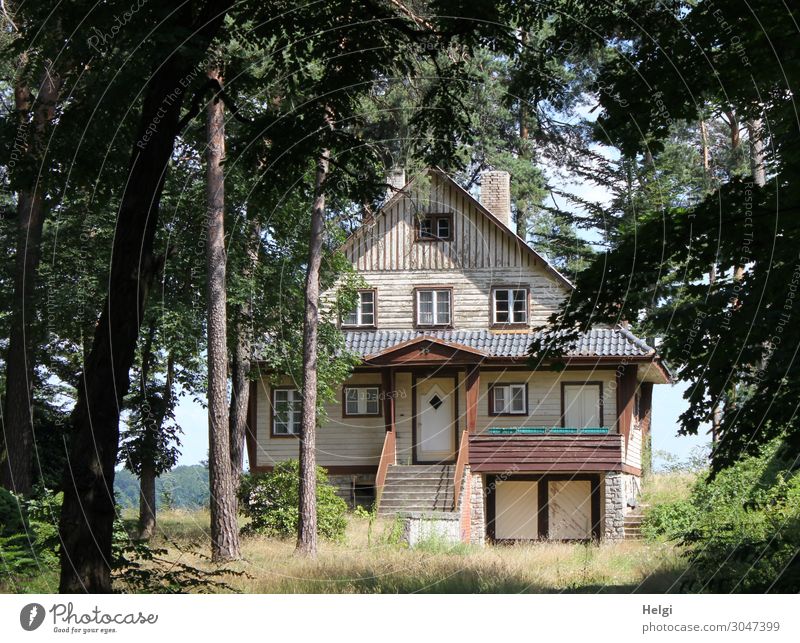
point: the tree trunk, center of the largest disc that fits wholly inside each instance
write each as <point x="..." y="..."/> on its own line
<point x="16" y="472"/>
<point x="224" y="528"/>
<point x="307" y="526"/>
<point x="240" y="363"/>
<point x="147" y="502"/>
<point x="87" y="514"/>
<point x="757" y="165"/>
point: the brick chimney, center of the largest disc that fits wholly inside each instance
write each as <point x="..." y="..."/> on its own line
<point x="496" y="194"/>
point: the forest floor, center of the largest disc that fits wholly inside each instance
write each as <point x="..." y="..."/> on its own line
<point x="370" y="560"/>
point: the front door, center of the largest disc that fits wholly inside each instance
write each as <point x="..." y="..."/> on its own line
<point x="436" y="435"/>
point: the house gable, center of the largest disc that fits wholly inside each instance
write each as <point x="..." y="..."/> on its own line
<point x="478" y="240"/>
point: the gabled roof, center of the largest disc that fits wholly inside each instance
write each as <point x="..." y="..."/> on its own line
<point x="519" y="241"/>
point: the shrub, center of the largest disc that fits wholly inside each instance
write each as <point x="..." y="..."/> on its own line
<point x="669" y="520"/>
<point x="741" y="528"/>
<point x="270" y="501"/>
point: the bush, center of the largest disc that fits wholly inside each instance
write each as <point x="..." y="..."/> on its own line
<point x="669" y="520"/>
<point x="270" y="501"/>
<point x="741" y="528"/>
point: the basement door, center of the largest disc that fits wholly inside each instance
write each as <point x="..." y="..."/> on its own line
<point x="436" y="434"/>
<point x="516" y="510"/>
<point x="569" y="509"/>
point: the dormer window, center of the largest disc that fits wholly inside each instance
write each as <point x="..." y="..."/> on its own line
<point x="509" y="305"/>
<point x="364" y="312"/>
<point x="435" y="227"/>
<point x="433" y="307"/>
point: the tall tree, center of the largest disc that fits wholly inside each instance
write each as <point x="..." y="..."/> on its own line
<point x="87" y="514"/>
<point x="307" y="526"/>
<point x="733" y="338"/>
<point x="224" y="526"/>
<point x="35" y="113"/>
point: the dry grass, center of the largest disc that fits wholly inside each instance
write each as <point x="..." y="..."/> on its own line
<point x="662" y="488"/>
<point x="373" y="564"/>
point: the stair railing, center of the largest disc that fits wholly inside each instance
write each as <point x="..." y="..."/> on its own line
<point x="461" y="463"/>
<point x="388" y="457"/>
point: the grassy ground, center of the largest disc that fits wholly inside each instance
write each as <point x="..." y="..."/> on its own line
<point x="370" y="560"/>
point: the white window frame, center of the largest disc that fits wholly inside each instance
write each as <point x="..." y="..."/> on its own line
<point x="511" y="312"/>
<point x="507" y="396"/>
<point x="359" y="310"/>
<point x="362" y="400"/>
<point x="295" y="410"/>
<point x="435" y="300"/>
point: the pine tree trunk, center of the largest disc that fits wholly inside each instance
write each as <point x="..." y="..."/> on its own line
<point x="16" y="472"/>
<point x="87" y="514"/>
<point x="307" y="526"/>
<point x="240" y="362"/>
<point x="224" y="528"/>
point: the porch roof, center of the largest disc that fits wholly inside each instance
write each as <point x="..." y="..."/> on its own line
<point x="598" y="342"/>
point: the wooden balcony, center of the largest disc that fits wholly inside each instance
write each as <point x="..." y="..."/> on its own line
<point x="545" y="451"/>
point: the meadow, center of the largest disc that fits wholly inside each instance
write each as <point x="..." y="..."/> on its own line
<point x="371" y="560"/>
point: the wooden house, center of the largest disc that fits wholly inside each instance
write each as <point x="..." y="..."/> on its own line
<point x="444" y="414"/>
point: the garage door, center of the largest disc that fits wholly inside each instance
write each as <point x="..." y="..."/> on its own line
<point x="516" y="506"/>
<point x="570" y="509"/>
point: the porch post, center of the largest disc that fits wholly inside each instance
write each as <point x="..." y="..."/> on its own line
<point x="387" y="378"/>
<point x="472" y="384"/>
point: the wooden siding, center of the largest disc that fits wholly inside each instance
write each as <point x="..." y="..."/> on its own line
<point x="633" y="454"/>
<point x="550" y="453"/>
<point x="544" y="396"/>
<point x="353" y="441"/>
<point x="479" y="256"/>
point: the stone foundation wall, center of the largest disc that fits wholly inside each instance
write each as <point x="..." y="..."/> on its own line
<point x="477" y="511"/>
<point x="614" y="517"/>
<point x="619" y="490"/>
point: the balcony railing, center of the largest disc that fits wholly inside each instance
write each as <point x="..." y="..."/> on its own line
<point x="547" y="430"/>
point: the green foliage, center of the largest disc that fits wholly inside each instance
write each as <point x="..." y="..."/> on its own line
<point x="271" y="500"/>
<point x="12" y="515"/>
<point x="670" y="520"/>
<point x="28" y="533"/>
<point x="741" y="529"/>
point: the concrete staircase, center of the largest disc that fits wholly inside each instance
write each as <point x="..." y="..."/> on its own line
<point x="427" y="488"/>
<point x="633" y="523"/>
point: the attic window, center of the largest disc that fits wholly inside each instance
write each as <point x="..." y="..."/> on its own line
<point x="435" y="227"/>
<point x="510" y="306"/>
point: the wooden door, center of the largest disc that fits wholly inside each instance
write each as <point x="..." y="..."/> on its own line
<point x="569" y="510"/>
<point x="436" y="436"/>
